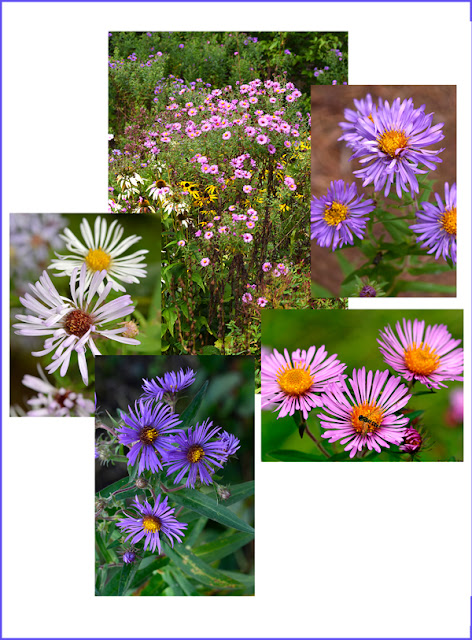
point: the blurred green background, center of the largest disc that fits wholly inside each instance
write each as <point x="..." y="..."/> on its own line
<point x="145" y="294"/>
<point x="353" y="336"/>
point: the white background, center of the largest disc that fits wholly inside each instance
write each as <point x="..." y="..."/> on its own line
<point x="342" y="550"/>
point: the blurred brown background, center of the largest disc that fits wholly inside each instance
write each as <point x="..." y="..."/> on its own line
<point x="330" y="160"/>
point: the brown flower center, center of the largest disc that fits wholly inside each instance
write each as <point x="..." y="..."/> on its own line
<point x="77" y="323"/>
<point x="148" y="435"/>
<point x="195" y="453"/>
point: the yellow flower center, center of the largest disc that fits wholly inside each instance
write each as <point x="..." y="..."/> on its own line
<point x="335" y="214"/>
<point x="366" y="417"/>
<point x="98" y="260"/>
<point x="195" y="453"/>
<point x="151" y="523"/>
<point x="422" y="360"/>
<point x="296" y="380"/>
<point x="391" y="141"/>
<point x="449" y="221"/>
<point x="148" y="435"/>
<point x="77" y="323"/>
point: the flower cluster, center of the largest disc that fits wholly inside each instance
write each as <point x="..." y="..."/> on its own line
<point x="75" y="324"/>
<point x="364" y="412"/>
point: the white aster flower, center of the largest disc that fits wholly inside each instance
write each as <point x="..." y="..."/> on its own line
<point x="101" y="251"/>
<point x="73" y="324"/>
<point x="53" y="401"/>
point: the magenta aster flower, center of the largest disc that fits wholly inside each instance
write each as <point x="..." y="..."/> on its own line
<point x="412" y="441"/>
<point x="196" y="455"/>
<point x="394" y="140"/>
<point x="148" y="431"/>
<point x="437" y="226"/>
<point x="430" y="356"/>
<point x="294" y="382"/>
<point x="150" y="521"/>
<point x="366" y="417"/>
<point x="339" y="216"/>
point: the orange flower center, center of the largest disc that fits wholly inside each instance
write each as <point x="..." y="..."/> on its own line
<point x="392" y="141"/>
<point x="296" y="380"/>
<point x="151" y="523"/>
<point x="335" y="214"/>
<point x="195" y="453"/>
<point x="448" y="221"/>
<point x="422" y="360"/>
<point x="366" y="418"/>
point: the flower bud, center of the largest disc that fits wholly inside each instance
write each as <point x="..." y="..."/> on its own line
<point x="141" y="483"/>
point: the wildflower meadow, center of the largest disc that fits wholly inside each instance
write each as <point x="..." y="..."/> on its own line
<point x="174" y="460"/>
<point x="362" y="386"/>
<point x="212" y="133"/>
<point x="384" y="206"/>
<point x="81" y="286"/>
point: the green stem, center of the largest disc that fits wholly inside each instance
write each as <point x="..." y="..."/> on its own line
<point x="316" y="441"/>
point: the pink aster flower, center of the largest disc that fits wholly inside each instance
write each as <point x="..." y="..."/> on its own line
<point x="226" y="135"/>
<point x="204" y="262"/>
<point x="247" y="297"/>
<point x="271" y="149"/>
<point x="294" y="382"/>
<point x="261" y="139"/>
<point x="181" y="243"/>
<point x="250" y="224"/>
<point x="247" y="188"/>
<point x="412" y="442"/>
<point x="262" y="301"/>
<point x="266" y="266"/>
<point x="208" y="235"/>
<point x="430" y="356"/>
<point x="367" y="416"/>
<point x="247" y="237"/>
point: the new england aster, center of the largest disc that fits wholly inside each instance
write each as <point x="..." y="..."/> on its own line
<point x="365" y="415"/>
<point x="437" y="225"/>
<point x="430" y="356"/>
<point x="393" y="142"/>
<point x="339" y="216"/>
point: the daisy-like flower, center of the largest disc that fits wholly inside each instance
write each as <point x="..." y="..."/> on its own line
<point x="247" y="237"/>
<point x="181" y="243"/>
<point x="208" y="235"/>
<point x="170" y="383"/>
<point x="339" y="216"/>
<point x="101" y="250"/>
<point x="294" y="382"/>
<point x="205" y="262"/>
<point x="55" y="402"/>
<point x="262" y="301"/>
<point x="148" y="432"/>
<point x="366" y="416"/>
<point x="196" y="455"/>
<point x="149" y="521"/>
<point x="364" y="108"/>
<point x="437" y="225"/>
<point x="247" y="297"/>
<point x="73" y="324"/>
<point x="266" y="266"/>
<point x="394" y="140"/>
<point x="430" y="356"/>
<point x="230" y="443"/>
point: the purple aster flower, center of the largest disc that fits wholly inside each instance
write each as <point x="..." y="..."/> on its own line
<point x="339" y="216"/>
<point x="196" y="455"/>
<point x="368" y="291"/>
<point x="129" y="557"/>
<point x="430" y="356"/>
<point x="171" y="383"/>
<point x="230" y="443"/>
<point x="294" y="382"/>
<point x="150" y="521"/>
<point x="366" y="417"/>
<point x="437" y="225"/>
<point x="364" y="109"/>
<point x="394" y="141"/>
<point x="148" y="432"/>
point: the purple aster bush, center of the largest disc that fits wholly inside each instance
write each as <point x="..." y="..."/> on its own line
<point x="148" y="431"/>
<point x="150" y="521"/>
<point x="174" y="476"/>
<point x="339" y="216"/>
<point x="197" y="453"/>
<point x="436" y="225"/>
<point x="394" y="142"/>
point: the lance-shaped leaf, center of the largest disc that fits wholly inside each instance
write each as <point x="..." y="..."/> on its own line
<point x="208" y="507"/>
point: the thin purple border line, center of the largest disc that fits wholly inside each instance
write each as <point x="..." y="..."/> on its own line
<point x="1" y="319"/>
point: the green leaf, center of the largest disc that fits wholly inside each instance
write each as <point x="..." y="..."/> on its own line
<point x="146" y="570"/>
<point x="240" y="492"/>
<point x="413" y="415"/>
<point x="170" y="316"/>
<point x="111" y="587"/>
<point x="183" y="583"/>
<point x="287" y="455"/>
<point x="107" y="491"/>
<point x="208" y="507"/>
<point x="154" y="587"/>
<point x="197" y="278"/>
<point x="210" y="350"/>
<point x="190" y="412"/>
<point x="432" y="287"/>
<point x="126" y="576"/>
<point x="199" y="570"/>
<point x="223" y="546"/>
<point x="193" y="535"/>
